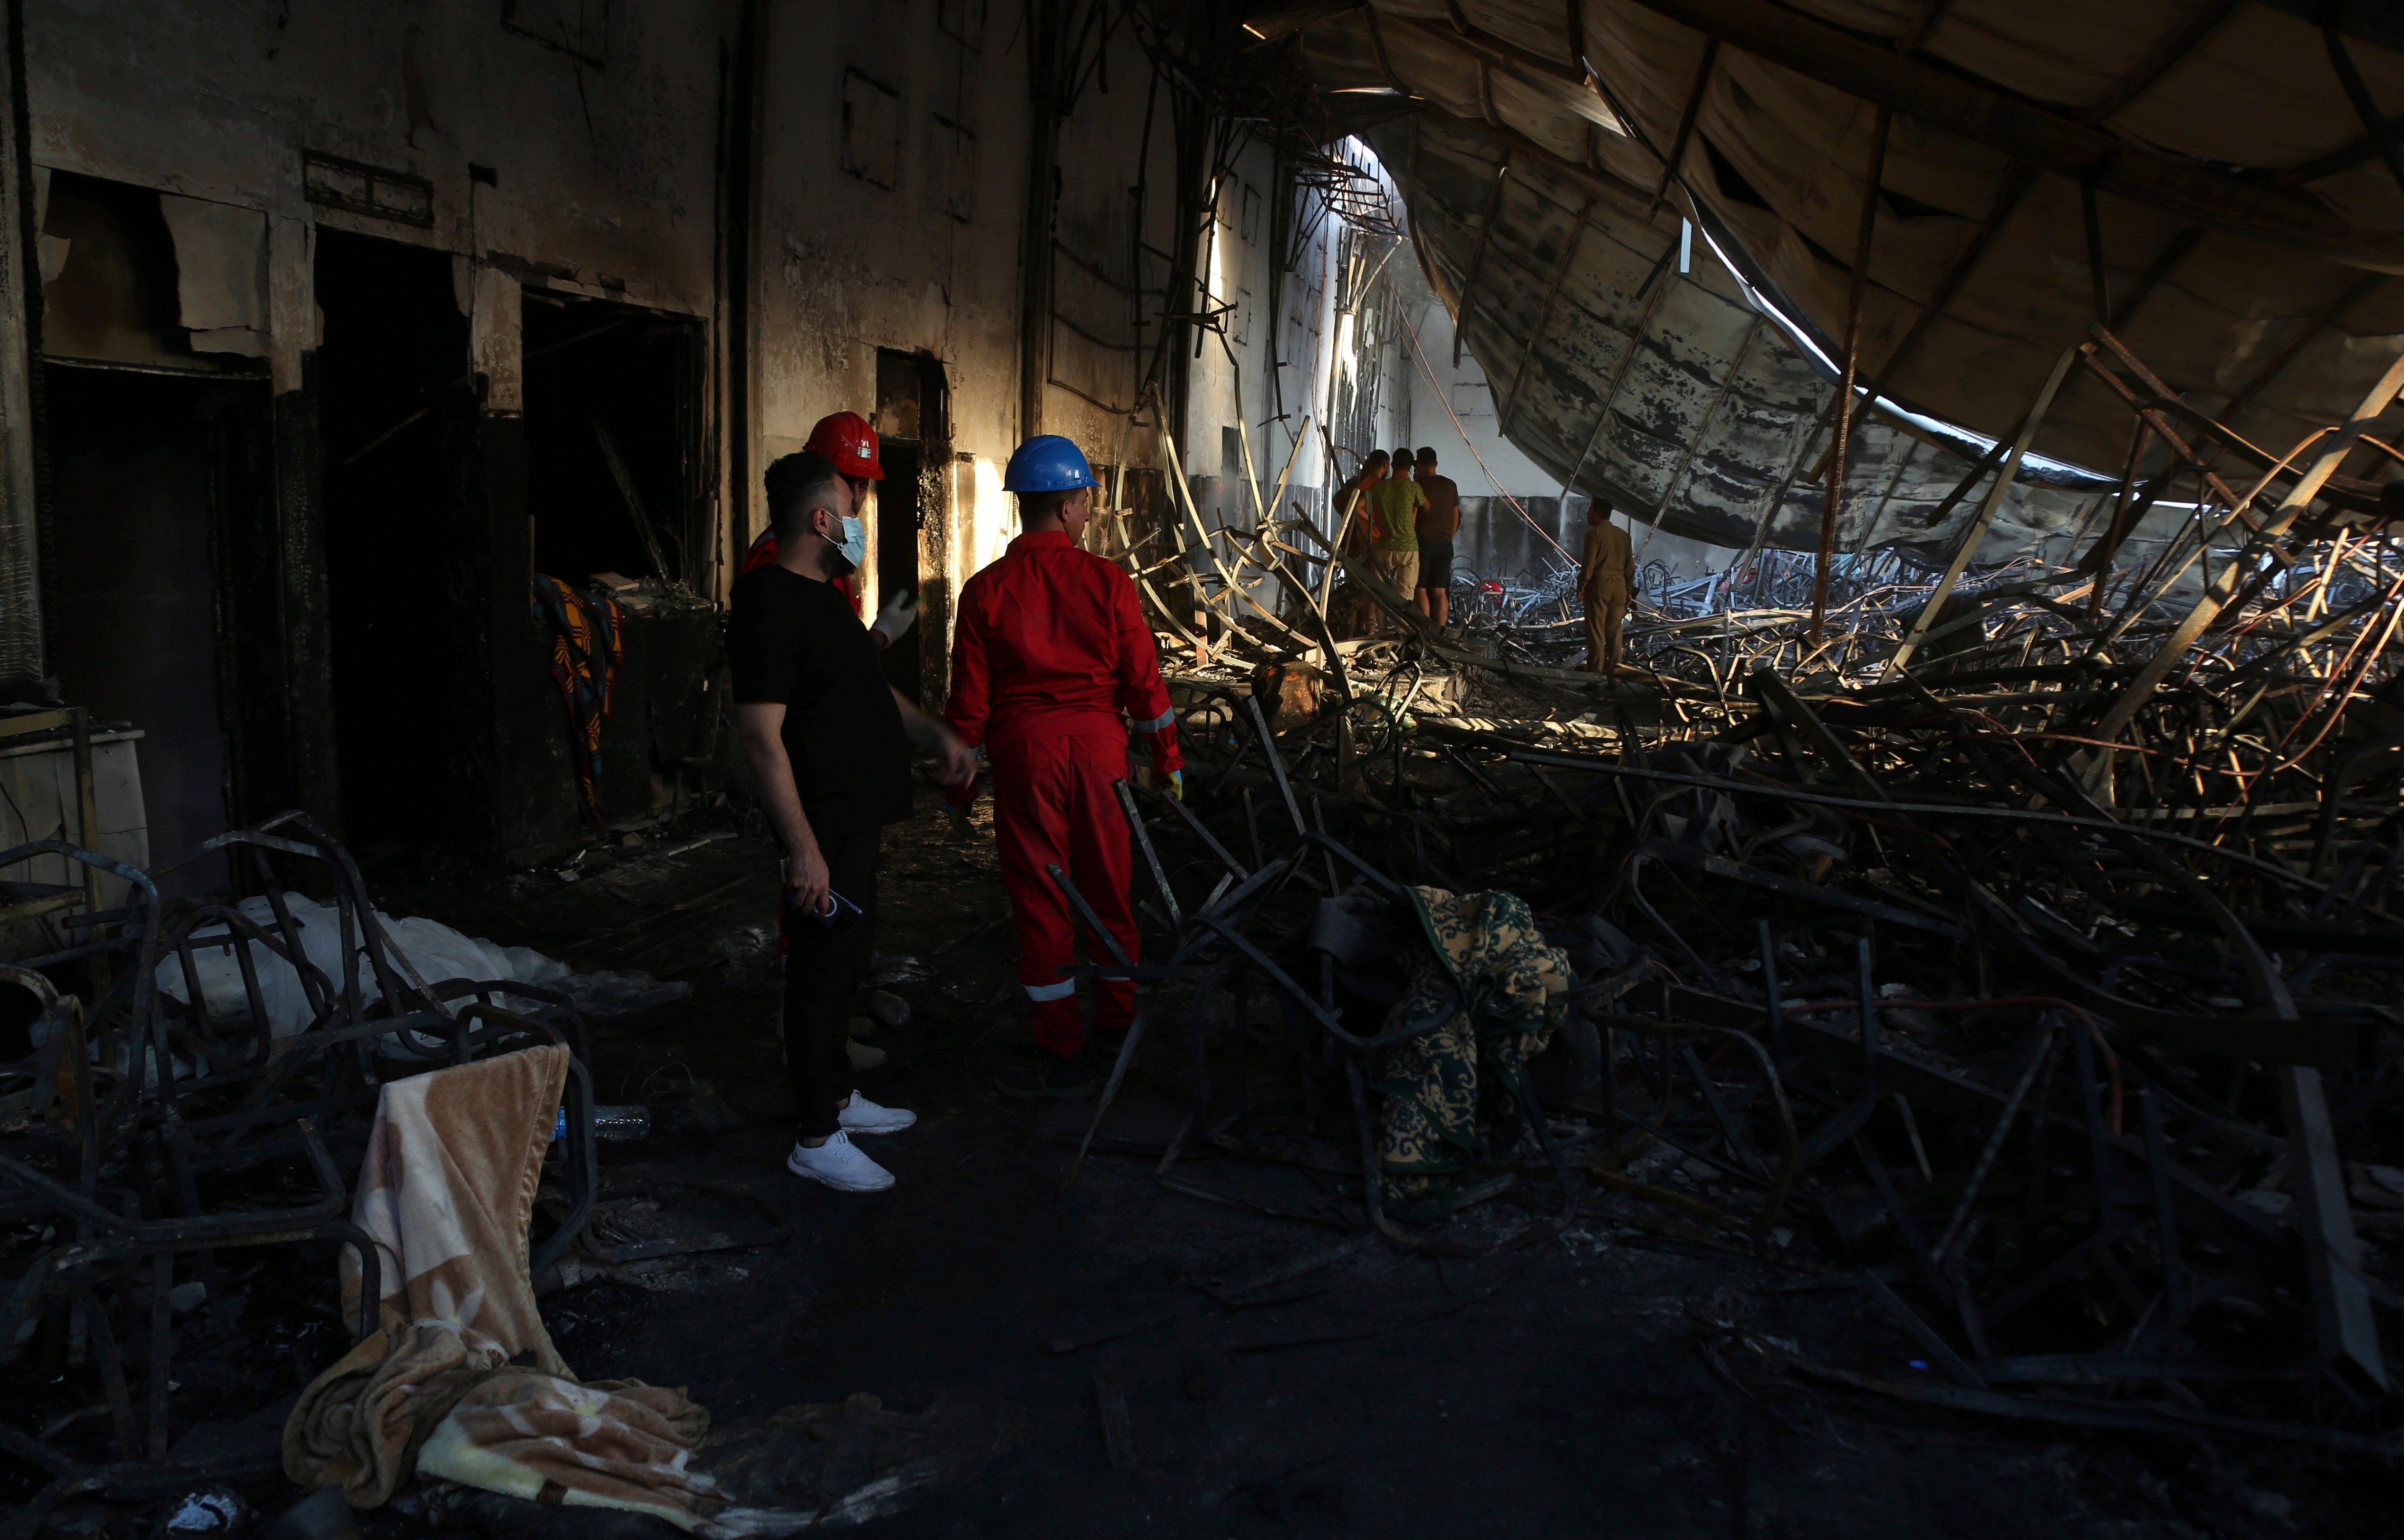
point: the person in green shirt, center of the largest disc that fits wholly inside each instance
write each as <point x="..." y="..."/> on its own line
<point x="1395" y="504"/>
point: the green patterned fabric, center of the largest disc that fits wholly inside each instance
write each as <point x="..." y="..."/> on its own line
<point x="1498" y="990"/>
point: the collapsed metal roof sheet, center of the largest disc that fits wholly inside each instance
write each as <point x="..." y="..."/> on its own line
<point x="1666" y="393"/>
<point x="2194" y="174"/>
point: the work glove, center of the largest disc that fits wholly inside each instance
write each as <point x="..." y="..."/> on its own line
<point x="899" y="613"/>
<point x="1177" y="784"/>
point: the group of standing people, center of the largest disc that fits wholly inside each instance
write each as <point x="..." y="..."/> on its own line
<point x="1051" y="664"/>
<point x="1408" y="515"/>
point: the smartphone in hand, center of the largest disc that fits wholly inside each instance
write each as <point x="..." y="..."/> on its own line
<point x="840" y="914"/>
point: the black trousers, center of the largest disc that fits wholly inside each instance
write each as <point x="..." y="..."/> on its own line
<point x="821" y="972"/>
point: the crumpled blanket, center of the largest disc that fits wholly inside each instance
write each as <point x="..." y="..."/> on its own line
<point x="801" y="1470"/>
<point x="1499" y="991"/>
<point x="462" y="1380"/>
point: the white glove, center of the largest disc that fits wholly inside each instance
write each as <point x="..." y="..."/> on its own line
<point x="899" y="613"/>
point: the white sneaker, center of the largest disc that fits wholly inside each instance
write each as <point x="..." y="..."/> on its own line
<point x="863" y="1117"/>
<point x="839" y="1164"/>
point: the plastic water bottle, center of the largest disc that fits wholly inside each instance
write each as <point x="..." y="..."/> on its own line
<point x="621" y="1123"/>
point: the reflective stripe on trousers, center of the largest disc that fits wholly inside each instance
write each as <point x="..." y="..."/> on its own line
<point x="1053" y="803"/>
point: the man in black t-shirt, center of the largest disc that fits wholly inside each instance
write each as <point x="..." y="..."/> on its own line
<point x="829" y="742"/>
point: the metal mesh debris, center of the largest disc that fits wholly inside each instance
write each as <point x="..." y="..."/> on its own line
<point x="2018" y="949"/>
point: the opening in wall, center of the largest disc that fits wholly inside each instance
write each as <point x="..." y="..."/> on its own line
<point x="134" y="277"/>
<point x="157" y="417"/>
<point x="613" y="441"/>
<point x="914" y="429"/>
<point x="146" y="478"/>
<point x="397" y="415"/>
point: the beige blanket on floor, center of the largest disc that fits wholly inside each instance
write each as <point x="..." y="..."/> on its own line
<point x="447" y="1192"/>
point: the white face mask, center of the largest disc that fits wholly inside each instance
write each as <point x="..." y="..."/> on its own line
<point x="854" y="544"/>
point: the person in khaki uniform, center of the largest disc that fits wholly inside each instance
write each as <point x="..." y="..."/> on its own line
<point x="1606" y="577"/>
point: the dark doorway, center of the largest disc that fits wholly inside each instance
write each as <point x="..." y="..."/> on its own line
<point x="139" y="481"/>
<point x="612" y="427"/>
<point x="897" y="552"/>
<point x="393" y="394"/>
<point x="914" y="447"/>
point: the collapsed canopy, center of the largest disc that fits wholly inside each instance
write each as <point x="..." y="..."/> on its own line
<point x="2194" y="174"/>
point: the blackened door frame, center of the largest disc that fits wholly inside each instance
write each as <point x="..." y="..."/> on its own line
<point x="913" y="413"/>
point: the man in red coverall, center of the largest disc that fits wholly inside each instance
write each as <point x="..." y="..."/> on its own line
<point x="845" y="439"/>
<point x="1051" y="648"/>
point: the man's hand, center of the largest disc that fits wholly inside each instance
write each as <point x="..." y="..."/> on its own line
<point x="806" y="879"/>
<point x="761" y="727"/>
<point x="958" y="760"/>
<point x="933" y="736"/>
<point x="898" y="614"/>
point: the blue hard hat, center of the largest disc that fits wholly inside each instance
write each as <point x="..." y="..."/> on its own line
<point x="1047" y="463"/>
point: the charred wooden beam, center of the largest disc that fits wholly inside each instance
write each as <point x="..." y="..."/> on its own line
<point x="2374" y="122"/>
<point x="1686" y="120"/>
<point x="2151" y="415"/>
<point x="2159" y="60"/>
<point x="1833" y="484"/>
<point x="2160" y="268"/>
<point x="2007" y="199"/>
<point x="2217" y="593"/>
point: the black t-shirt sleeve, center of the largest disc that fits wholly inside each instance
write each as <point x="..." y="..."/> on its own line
<point x="761" y="630"/>
<point x="795" y="642"/>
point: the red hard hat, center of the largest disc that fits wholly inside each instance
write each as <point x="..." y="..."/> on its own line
<point x="847" y="439"/>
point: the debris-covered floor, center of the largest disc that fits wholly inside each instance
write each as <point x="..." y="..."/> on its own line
<point x="1911" y="1046"/>
<point x="1608" y="1382"/>
<point x="1945" y="1127"/>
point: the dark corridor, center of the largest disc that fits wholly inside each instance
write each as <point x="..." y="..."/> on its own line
<point x="141" y="467"/>
<point x="395" y="401"/>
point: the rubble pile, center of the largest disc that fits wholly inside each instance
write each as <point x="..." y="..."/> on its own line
<point x="277" y="1187"/>
<point x="2042" y="988"/>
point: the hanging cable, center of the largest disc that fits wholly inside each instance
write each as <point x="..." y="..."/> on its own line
<point x="1420" y="354"/>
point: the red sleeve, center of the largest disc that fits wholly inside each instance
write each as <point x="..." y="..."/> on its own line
<point x="1141" y="693"/>
<point x="971" y="693"/>
<point x="972" y="682"/>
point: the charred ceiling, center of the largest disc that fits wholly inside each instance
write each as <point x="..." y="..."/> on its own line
<point x="1949" y="195"/>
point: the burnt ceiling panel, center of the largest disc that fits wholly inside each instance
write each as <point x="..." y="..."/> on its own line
<point x="2188" y="174"/>
<point x="1711" y="422"/>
